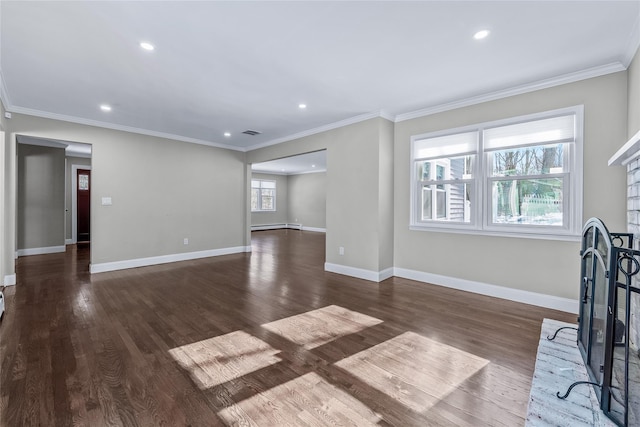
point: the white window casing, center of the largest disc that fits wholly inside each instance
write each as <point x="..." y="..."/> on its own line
<point x="263" y="195"/>
<point x="521" y="177"/>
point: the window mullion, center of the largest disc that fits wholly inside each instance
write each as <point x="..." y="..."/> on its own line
<point x="482" y="205"/>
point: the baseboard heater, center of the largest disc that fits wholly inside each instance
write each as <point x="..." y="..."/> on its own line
<point x="276" y="226"/>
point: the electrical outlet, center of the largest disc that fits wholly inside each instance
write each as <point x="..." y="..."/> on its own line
<point x="186" y="241"/>
<point x="341" y="250"/>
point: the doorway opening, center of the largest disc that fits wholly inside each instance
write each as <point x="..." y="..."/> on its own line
<point x="290" y="193"/>
<point x="47" y="194"/>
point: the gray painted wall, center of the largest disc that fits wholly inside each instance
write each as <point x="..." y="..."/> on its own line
<point x="6" y="262"/>
<point x="385" y="195"/>
<point x="41" y="176"/>
<point x="352" y="214"/>
<point x="634" y="95"/>
<point x="280" y="215"/>
<point x="175" y="171"/>
<point x="68" y="193"/>
<point x="544" y="266"/>
<point x="307" y="204"/>
<point x="179" y="190"/>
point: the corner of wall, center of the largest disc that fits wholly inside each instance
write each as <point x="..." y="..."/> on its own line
<point x="633" y="96"/>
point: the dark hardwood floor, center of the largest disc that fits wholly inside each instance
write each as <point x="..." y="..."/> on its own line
<point x="266" y="339"/>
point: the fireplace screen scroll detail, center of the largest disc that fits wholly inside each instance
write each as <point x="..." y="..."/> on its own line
<point x="609" y="289"/>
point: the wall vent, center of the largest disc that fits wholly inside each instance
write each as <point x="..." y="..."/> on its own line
<point x="251" y="132"/>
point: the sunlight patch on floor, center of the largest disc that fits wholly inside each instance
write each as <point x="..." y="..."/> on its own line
<point x="224" y="358"/>
<point x="413" y="370"/>
<point x="315" y="328"/>
<point x="306" y="400"/>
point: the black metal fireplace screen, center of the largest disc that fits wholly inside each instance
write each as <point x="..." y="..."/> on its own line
<point x="609" y="293"/>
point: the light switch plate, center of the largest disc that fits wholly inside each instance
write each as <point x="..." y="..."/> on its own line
<point x="106" y="201"/>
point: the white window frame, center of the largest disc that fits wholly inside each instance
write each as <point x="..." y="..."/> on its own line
<point x="433" y="171"/>
<point x="481" y="182"/>
<point x="260" y="194"/>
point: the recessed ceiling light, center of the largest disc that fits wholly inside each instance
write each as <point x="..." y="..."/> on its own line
<point x="302" y="106"/>
<point x="282" y="170"/>
<point x="147" y="46"/>
<point x="481" y="34"/>
<point x="313" y="166"/>
<point x="105" y="107"/>
<point x="227" y="134"/>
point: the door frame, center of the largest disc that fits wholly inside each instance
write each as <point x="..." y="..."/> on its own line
<point x="74" y="200"/>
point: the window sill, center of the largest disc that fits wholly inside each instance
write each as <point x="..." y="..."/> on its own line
<point x="493" y="233"/>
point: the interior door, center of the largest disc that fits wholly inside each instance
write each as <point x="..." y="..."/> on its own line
<point x="84" y="206"/>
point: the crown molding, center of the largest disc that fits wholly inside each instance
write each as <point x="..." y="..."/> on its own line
<point x="4" y="95"/>
<point x="387" y="115"/>
<point x="517" y="90"/>
<point x="314" y="131"/>
<point x="130" y="129"/>
<point x="634" y="43"/>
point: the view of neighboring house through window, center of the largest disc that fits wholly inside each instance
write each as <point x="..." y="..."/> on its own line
<point x="263" y="195"/>
<point x="522" y="175"/>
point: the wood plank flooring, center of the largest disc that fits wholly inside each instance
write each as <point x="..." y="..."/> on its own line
<point x="261" y="339"/>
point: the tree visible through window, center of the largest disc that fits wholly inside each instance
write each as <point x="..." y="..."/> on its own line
<point x="522" y="175"/>
<point x="527" y="185"/>
<point x="263" y="195"/>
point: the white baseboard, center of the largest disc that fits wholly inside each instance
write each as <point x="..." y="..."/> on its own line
<point x="9" y="280"/>
<point x="316" y="229"/>
<point x="163" y="259"/>
<point x="527" y="297"/>
<point x="41" y="251"/>
<point x="278" y="226"/>
<point x="261" y="227"/>
<point x="69" y="242"/>
<point x="360" y="273"/>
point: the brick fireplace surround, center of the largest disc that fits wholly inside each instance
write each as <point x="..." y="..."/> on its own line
<point x="629" y="156"/>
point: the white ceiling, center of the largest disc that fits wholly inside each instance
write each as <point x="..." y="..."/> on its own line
<point x="304" y="163"/>
<point x="233" y="66"/>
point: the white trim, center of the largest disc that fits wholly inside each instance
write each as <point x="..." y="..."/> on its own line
<point x="387" y="115"/>
<point x="4" y="95"/>
<point x="320" y="129"/>
<point x="446" y="228"/>
<point x="41" y="251"/>
<point x="10" y="280"/>
<point x="385" y="274"/>
<point x="89" y="122"/>
<point x="634" y="43"/>
<point x="68" y="241"/>
<point x="261" y="227"/>
<point x="480" y="221"/>
<point x="164" y="259"/>
<point x="518" y="295"/>
<point x="315" y="229"/>
<point x="518" y="90"/>
<point x="626" y="153"/>
<point x="74" y="200"/>
<point x="360" y="273"/>
<point x="277" y="226"/>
